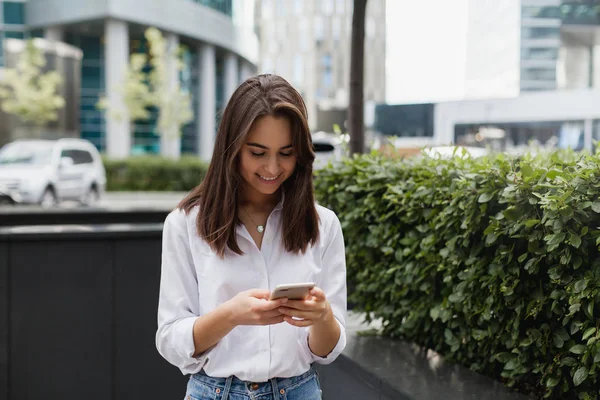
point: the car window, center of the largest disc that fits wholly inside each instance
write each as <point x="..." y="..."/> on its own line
<point x="320" y="147"/>
<point x="67" y="153"/>
<point x="33" y="153"/>
<point x="79" y="156"/>
<point x="83" y="157"/>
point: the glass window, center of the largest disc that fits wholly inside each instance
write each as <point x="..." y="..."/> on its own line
<point x="14" y="13"/>
<point x="327" y="7"/>
<point x="340" y="6"/>
<point x="223" y="6"/>
<point x="540" y="12"/>
<point x="298" y="7"/>
<point x="540" y="33"/>
<point x="266" y="9"/>
<point x="282" y="67"/>
<point x="580" y="13"/>
<point x="539" y="54"/>
<point x="298" y="69"/>
<point x="319" y="28"/>
<point x="538" y="74"/>
<point x="26" y="153"/>
<point x="36" y="33"/>
<point x="327" y="76"/>
<point x="78" y="156"/>
<point x="281" y="8"/>
<point x="267" y="65"/>
<point x="303" y="33"/>
<point x="336" y="28"/>
<point x="14" y="35"/>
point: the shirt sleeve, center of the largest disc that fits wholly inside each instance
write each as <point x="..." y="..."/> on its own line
<point x="178" y="304"/>
<point x="333" y="283"/>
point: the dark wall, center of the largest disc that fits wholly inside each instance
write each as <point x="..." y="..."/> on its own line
<point x="79" y="315"/>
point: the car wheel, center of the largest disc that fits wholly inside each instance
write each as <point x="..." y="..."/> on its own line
<point x="48" y="198"/>
<point x="91" y="197"/>
<point x="5" y="200"/>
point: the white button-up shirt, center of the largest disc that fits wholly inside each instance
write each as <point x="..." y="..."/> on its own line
<point x="194" y="281"/>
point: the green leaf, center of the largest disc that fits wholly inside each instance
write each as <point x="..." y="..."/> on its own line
<point x="580" y="285"/>
<point x="580" y="375"/>
<point x="485" y="197"/>
<point x="596" y="206"/>
<point x="578" y="349"/>
<point x="588" y="332"/>
<point x="532" y="222"/>
<point x="526" y="170"/>
<point x="558" y="341"/>
<point x="568" y="361"/>
<point x="575" y="240"/>
<point x="552" y="381"/>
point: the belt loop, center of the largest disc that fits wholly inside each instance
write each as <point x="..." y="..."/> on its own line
<point x="275" y="388"/>
<point x="227" y="388"/>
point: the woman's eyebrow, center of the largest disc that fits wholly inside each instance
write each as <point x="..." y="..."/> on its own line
<point x="260" y="146"/>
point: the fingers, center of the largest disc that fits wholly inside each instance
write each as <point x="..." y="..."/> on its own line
<point x="267" y="305"/>
<point x="271" y="314"/>
<point x="316" y="296"/>
<point x="305" y="305"/>
<point x="318" y="293"/>
<point x="299" y="323"/>
<point x="275" y="320"/>
<point x="259" y="293"/>
<point x="296" y="313"/>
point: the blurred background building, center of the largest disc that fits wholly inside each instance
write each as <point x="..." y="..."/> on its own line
<point x="220" y="50"/>
<point x="308" y="42"/>
<point x="531" y="76"/>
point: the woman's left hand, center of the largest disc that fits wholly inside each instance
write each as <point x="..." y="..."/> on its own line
<point x="313" y="309"/>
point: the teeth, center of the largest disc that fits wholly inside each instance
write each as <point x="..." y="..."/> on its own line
<point x="269" y="179"/>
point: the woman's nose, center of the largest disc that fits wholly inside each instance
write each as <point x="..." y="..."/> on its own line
<point x="272" y="166"/>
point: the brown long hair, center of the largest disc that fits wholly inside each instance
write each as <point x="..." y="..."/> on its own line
<point x="217" y="196"/>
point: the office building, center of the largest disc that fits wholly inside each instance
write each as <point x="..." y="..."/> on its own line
<point x="558" y="86"/>
<point x="220" y="50"/>
<point x="308" y="43"/>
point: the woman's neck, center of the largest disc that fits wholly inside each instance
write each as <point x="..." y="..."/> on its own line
<point x="259" y="202"/>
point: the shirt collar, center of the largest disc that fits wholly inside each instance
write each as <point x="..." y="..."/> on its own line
<point x="279" y="205"/>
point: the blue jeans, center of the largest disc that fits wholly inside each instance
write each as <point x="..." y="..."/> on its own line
<point x="303" y="387"/>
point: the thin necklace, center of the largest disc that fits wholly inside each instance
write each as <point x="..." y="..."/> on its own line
<point x="259" y="228"/>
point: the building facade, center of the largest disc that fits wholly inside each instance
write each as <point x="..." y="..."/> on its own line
<point x="555" y="105"/>
<point x="220" y="51"/>
<point x="308" y="43"/>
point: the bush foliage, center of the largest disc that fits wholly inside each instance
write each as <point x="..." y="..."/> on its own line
<point x="493" y="262"/>
<point x="154" y="173"/>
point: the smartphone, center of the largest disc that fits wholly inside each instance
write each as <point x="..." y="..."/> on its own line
<point x="293" y="291"/>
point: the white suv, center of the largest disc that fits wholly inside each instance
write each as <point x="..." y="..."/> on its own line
<point x="46" y="172"/>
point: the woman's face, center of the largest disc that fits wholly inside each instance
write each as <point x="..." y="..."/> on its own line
<point x="268" y="158"/>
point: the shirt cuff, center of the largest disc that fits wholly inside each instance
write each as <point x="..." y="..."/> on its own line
<point x="337" y="350"/>
<point x="183" y="344"/>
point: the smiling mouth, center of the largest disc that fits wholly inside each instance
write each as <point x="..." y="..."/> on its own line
<point x="268" y="179"/>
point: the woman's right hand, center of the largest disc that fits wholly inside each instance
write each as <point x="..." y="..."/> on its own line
<point x="253" y="307"/>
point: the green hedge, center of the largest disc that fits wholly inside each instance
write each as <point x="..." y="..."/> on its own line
<point x="154" y="173"/>
<point x="492" y="262"/>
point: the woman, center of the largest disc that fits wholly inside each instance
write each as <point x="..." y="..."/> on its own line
<point x="251" y="225"/>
